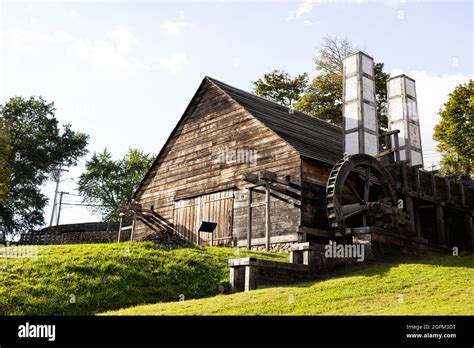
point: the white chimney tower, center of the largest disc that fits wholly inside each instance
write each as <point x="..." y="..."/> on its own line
<point x="403" y="115"/>
<point x="359" y="105"/>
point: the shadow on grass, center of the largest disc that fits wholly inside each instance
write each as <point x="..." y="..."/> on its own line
<point x="382" y="268"/>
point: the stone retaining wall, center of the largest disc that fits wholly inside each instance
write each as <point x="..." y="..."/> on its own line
<point x="75" y="234"/>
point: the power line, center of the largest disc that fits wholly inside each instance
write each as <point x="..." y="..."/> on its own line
<point x="73" y="194"/>
<point x="87" y="205"/>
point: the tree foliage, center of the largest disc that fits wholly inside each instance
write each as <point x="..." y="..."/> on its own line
<point x="332" y="52"/>
<point x="381" y="79"/>
<point x="37" y="147"/>
<point x="322" y="97"/>
<point x="280" y="87"/>
<point x="5" y="150"/>
<point x="108" y="183"/>
<point x="455" y="133"/>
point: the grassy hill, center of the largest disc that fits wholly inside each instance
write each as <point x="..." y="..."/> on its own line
<point x="89" y="278"/>
<point x="440" y="286"/>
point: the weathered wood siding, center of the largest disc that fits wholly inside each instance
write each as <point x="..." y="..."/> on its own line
<point x="190" y="164"/>
<point x="215" y="207"/>
<point x="314" y="177"/>
<point x="284" y="215"/>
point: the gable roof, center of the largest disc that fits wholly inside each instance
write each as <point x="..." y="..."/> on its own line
<point x="311" y="137"/>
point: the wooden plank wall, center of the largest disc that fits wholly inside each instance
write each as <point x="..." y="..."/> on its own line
<point x="185" y="218"/>
<point x="314" y="179"/>
<point x="284" y="215"/>
<point x="218" y="207"/>
<point x="215" y="207"/>
<point x="190" y="163"/>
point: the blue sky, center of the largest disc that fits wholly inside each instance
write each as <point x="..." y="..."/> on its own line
<point x="123" y="72"/>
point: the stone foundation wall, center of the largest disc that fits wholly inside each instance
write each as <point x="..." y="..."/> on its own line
<point x="276" y="247"/>
<point x="82" y="237"/>
<point x="383" y="244"/>
<point x="75" y="234"/>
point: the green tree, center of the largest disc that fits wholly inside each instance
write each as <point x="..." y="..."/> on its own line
<point x="5" y="151"/>
<point x="108" y="184"/>
<point x="280" y="87"/>
<point x="37" y="148"/>
<point x="455" y="133"/>
<point x="323" y="97"/>
<point x="381" y="79"/>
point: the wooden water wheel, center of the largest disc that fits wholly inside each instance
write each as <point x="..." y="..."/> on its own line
<point x="360" y="192"/>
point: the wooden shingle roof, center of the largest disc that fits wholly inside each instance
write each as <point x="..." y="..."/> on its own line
<point x="311" y="137"/>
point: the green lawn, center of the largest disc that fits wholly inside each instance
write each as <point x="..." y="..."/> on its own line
<point x="90" y="278"/>
<point x="440" y="286"/>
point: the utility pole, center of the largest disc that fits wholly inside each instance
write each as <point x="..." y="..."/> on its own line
<point x="53" y="211"/>
<point x="61" y="193"/>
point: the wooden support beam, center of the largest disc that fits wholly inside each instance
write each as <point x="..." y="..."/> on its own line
<point x="440" y="225"/>
<point x="404" y="175"/>
<point x="267" y="217"/>
<point x="417" y="181"/>
<point x="417" y="223"/>
<point x="426" y="206"/>
<point x="386" y="152"/>
<point x="388" y="145"/>
<point x="469" y="230"/>
<point x="448" y="190"/>
<point x="433" y="185"/>
<point x="315" y="232"/>
<point x="461" y="193"/>
<point x="366" y="193"/>
<point x="249" y="219"/>
<point x="411" y="211"/>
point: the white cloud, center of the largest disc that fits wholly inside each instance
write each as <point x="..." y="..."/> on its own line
<point x="432" y="92"/>
<point x="174" y="63"/>
<point x="306" y="6"/>
<point x="111" y="55"/>
<point x="175" y="27"/>
<point x="303" y="8"/>
<point x="123" y="39"/>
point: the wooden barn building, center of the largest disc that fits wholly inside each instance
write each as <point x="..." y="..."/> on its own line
<point x="223" y="134"/>
<point x="262" y="172"/>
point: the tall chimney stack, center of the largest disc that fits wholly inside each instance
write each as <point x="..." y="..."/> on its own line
<point x="403" y="115"/>
<point x="359" y="105"/>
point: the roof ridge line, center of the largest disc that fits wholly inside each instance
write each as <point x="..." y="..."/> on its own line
<point x="273" y="102"/>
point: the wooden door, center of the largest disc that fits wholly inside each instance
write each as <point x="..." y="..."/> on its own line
<point x="214" y="207"/>
<point x="186" y="218"/>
